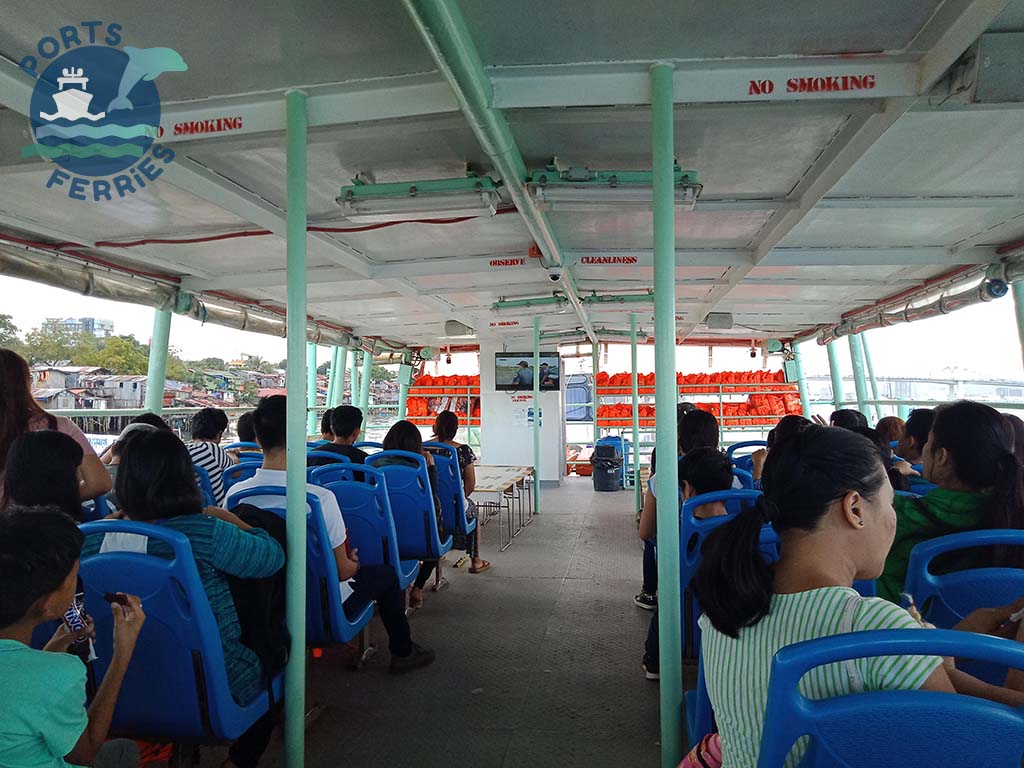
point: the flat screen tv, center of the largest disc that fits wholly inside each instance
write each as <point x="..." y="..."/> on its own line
<point x="513" y="371"/>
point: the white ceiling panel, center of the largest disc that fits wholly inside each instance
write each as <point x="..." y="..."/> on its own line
<point x="634" y="229"/>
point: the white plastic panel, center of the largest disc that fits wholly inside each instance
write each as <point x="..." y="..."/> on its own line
<point x="613" y="229"/>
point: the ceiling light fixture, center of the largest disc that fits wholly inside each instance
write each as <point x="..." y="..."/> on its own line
<point x="583" y="190"/>
<point x="363" y="203"/>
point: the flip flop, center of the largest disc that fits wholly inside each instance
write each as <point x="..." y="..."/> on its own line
<point x="481" y="569"/>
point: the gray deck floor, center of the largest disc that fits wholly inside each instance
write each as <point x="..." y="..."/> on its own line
<point x="538" y="660"/>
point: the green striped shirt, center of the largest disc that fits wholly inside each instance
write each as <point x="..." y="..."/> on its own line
<point x="736" y="670"/>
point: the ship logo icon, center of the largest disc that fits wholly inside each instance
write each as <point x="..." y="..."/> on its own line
<point x="72" y="98"/>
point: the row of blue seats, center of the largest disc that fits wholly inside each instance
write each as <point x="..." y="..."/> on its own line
<point x="390" y="517"/>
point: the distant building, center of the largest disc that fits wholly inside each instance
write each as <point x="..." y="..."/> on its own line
<point x="123" y="391"/>
<point x="69" y="376"/>
<point x="101" y="329"/>
<point x="54" y="398"/>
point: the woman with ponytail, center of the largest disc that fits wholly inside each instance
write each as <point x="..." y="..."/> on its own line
<point x="829" y="499"/>
<point x="970" y="456"/>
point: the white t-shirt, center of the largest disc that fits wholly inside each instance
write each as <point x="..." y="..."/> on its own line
<point x="333" y="521"/>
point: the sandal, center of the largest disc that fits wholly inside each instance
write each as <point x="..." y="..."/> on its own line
<point x="485" y="565"/>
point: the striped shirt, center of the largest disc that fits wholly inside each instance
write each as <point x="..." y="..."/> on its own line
<point x="214" y="460"/>
<point x="736" y="670"/>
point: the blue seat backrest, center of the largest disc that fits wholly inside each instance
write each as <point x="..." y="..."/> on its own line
<point x="693" y="531"/>
<point x="241" y="471"/>
<point x="95" y="509"/>
<point x="367" y="512"/>
<point x="368" y="445"/>
<point x="754" y="444"/>
<point x="205" y="486"/>
<point x="329" y="456"/>
<point x="332" y="473"/>
<point x="449" y="488"/>
<point x="326" y="623"/>
<point x="250" y="446"/>
<point x="947" y="598"/>
<point x="904" y="728"/>
<point x="412" y="504"/>
<point x="746" y="479"/>
<point x="176" y="688"/>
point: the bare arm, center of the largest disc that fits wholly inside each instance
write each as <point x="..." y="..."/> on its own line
<point x="95" y="478"/>
<point x="128" y="620"/>
<point x="649" y="518"/>
<point x="347" y="563"/>
<point x="971" y="686"/>
<point x="469" y="479"/>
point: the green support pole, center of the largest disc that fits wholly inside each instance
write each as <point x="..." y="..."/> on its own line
<point x="332" y="377"/>
<point x="353" y="375"/>
<point x="403" y="400"/>
<point x="536" y="413"/>
<point x="339" y="389"/>
<point x="635" y="455"/>
<point x="860" y="385"/>
<point x="903" y="411"/>
<point x="595" y="360"/>
<point x="1018" y="308"/>
<point x="156" y="375"/>
<point x="295" y="505"/>
<point x="364" y="386"/>
<point x="871" y="374"/>
<point x="312" y="422"/>
<point x="805" y="401"/>
<point x="667" y="484"/>
<point x="837" y="375"/>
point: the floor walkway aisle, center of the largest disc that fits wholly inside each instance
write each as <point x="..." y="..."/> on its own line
<point x="538" y="660"/>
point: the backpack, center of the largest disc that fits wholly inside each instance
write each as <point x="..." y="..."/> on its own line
<point x="260" y="603"/>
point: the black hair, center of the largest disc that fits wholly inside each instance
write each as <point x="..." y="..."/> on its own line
<point x="787" y="426"/>
<point x="919" y="425"/>
<point x="683" y="408"/>
<point x="346" y="419"/>
<point x="246" y="432"/>
<point x="38" y="549"/>
<point x="209" y="424"/>
<point x="270" y="420"/>
<point x="882" y="445"/>
<point x="698" y="429"/>
<point x="42" y="470"/>
<point x="156" y="478"/>
<point x="706" y="469"/>
<point x="446" y="426"/>
<point x="1017" y="425"/>
<point x="848" y="418"/>
<point x="980" y="442"/>
<point x="403" y="436"/>
<point x="803" y="476"/>
<point x="326" y="427"/>
<point x="152" y="419"/>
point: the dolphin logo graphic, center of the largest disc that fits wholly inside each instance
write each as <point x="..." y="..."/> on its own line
<point x="144" y="64"/>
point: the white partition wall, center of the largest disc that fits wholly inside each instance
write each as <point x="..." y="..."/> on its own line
<point x="506" y="436"/>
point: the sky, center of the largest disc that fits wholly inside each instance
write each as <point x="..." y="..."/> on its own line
<point x="976" y="342"/>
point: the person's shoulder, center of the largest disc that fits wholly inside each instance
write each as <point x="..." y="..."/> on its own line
<point x="48" y="671"/>
<point x="879" y="613"/>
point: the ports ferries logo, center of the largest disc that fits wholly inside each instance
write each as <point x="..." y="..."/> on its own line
<point x="95" y="111"/>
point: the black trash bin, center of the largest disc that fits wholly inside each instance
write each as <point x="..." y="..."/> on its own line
<point x="607" y="468"/>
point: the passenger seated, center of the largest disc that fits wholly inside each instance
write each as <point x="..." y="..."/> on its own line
<point x="346" y="426"/>
<point x="42" y="470"/>
<point x="827" y="496"/>
<point x="326" y="433"/>
<point x="891" y="428"/>
<point x="44" y="715"/>
<point x="969" y="455"/>
<point x="359" y="585"/>
<point x="848" y="418"/>
<point x="208" y="428"/>
<point x="20" y="413"/>
<point x="246" y="432"/>
<point x="405" y="436"/>
<point x="156" y="483"/>
<point x="446" y="426"/>
<point x="787" y="426"/>
<point x="702" y="470"/>
<point x="896" y="478"/>
<point x="915" y="434"/>
<point x="116" y="450"/>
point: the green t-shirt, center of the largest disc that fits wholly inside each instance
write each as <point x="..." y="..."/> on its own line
<point x="736" y="670"/>
<point x="939" y="513"/>
<point x="43" y="715"/>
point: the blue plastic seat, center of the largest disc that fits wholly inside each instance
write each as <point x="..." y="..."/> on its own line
<point x="332" y="473"/>
<point x="412" y="504"/>
<point x="329" y="456"/>
<point x="746" y="462"/>
<point x="326" y="622"/>
<point x="250" y="446"/>
<point x="746" y="479"/>
<point x="449" y="489"/>
<point x="95" y="509"/>
<point x="368" y="445"/>
<point x="371" y="526"/>
<point x="911" y="729"/>
<point x="176" y="688"/>
<point x="241" y="471"/>
<point x="205" y="486"/>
